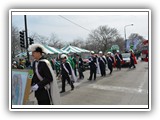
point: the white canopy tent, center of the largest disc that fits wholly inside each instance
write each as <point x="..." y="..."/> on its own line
<point x="73" y="49"/>
<point x="54" y="50"/>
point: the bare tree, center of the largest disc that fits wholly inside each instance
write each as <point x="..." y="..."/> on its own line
<point x="15" y="42"/>
<point x="39" y="38"/>
<point x="102" y="38"/>
<point x="79" y="42"/>
<point x="140" y="38"/>
<point x="121" y="43"/>
<point x="54" y="41"/>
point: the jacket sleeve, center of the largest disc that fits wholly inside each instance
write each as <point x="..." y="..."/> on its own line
<point x="46" y="74"/>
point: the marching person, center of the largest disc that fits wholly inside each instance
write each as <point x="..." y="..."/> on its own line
<point x="66" y="73"/>
<point x="119" y="59"/>
<point x="132" y="59"/>
<point x="110" y="61"/>
<point x="93" y="66"/>
<point x="43" y="83"/>
<point x="102" y="63"/>
<point x="72" y="63"/>
<point x="80" y="67"/>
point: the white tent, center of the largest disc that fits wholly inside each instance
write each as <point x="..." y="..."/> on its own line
<point x="55" y="50"/>
<point x="73" y="49"/>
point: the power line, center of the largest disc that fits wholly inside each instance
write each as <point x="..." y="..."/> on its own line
<point x="74" y="23"/>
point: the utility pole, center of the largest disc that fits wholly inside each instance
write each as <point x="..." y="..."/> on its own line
<point x="25" y="21"/>
<point x="125" y="34"/>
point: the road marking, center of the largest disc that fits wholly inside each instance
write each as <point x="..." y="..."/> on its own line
<point x="143" y="82"/>
<point x="119" y="89"/>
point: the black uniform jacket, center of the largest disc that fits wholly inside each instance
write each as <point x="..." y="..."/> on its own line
<point x="80" y="63"/>
<point x="92" y="62"/>
<point x="102" y="61"/>
<point x="117" y="58"/>
<point x="110" y="61"/>
<point x="63" y="71"/>
<point x="45" y="73"/>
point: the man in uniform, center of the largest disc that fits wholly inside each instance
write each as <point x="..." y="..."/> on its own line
<point x="110" y="61"/>
<point x="66" y="72"/>
<point x="102" y="63"/>
<point x="43" y="83"/>
<point x="93" y="66"/>
<point x="80" y="67"/>
<point x="132" y="59"/>
<point x="119" y="59"/>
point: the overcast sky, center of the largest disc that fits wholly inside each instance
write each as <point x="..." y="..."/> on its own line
<point x="62" y="24"/>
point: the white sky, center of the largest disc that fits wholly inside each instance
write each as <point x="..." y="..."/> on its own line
<point x="45" y="23"/>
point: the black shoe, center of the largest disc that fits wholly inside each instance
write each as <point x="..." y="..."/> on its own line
<point x="62" y="92"/>
<point x="89" y="79"/>
<point x="72" y="88"/>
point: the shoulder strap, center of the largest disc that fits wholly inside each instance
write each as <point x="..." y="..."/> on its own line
<point x="65" y="68"/>
<point x="110" y="58"/>
<point x="119" y="57"/>
<point x="102" y="60"/>
<point x="37" y="73"/>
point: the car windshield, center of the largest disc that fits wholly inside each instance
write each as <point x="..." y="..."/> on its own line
<point x="125" y="55"/>
<point x="85" y="57"/>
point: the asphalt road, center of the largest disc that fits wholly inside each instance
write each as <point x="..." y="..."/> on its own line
<point x="125" y="87"/>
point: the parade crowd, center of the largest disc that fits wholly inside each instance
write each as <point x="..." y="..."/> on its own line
<point x="64" y="68"/>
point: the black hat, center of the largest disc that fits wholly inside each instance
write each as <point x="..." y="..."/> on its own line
<point x="37" y="48"/>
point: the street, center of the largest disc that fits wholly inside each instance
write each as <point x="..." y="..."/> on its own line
<point x="125" y="87"/>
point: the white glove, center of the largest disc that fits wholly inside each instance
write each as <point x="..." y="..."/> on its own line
<point x="35" y="87"/>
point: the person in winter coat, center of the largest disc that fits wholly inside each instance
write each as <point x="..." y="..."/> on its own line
<point x="66" y="73"/>
<point x="43" y="84"/>
<point x="119" y="59"/>
<point x="102" y="63"/>
<point x="93" y="66"/>
<point x="110" y="61"/>
<point x="132" y="59"/>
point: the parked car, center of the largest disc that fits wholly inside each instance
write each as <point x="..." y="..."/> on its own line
<point x="126" y="59"/>
<point x="86" y="62"/>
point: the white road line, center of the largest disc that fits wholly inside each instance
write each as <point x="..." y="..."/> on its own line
<point x="143" y="82"/>
<point x="119" y="89"/>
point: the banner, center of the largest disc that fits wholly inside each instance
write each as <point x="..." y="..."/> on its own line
<point x="128" y="44"/>
<point x="136" y="42"/>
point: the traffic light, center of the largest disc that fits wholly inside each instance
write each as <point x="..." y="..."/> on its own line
<point x="22" y="42"/>
<point x="31" y="41"/>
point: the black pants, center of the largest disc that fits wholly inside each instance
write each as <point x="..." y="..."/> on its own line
<point x="64" y="78"/>
<point x="42" y="96"/>
<point x="119" y="65"/>
<point x="103" y="70"/>
<point x="92" y="71"/>
<point x="44" y="102"/>
<point x="110" y="67"/>
<point x="132" y="63"/>
<point x="80" y="73"/>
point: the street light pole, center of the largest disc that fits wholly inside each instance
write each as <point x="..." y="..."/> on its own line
<point x="25" y="21"/>
<point x="125" y="33"/>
